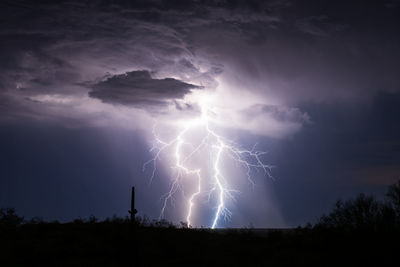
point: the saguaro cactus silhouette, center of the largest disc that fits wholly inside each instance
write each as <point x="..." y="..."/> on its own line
<point x="133" y="211"/>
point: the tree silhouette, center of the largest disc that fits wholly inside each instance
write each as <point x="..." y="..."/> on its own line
<point x="365" y="213"/>
<point x="362" y="213"/>
<point x="393" y="195"/>
<point x="8" y="217"/>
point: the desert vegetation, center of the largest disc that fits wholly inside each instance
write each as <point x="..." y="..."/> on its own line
<point x="357" y="232"/>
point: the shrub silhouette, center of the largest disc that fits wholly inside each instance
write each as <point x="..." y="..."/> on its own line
<point x="362" y="213"/>
<point x="393" y="195"/>
<point x="8" y="217"/>
<point x="365" y="213"/>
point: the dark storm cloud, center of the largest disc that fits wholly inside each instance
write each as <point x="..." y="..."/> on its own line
<point x="311" y="51"/>
<point x="138" y="88"/>
<point x="299" y="52"/>
<point x="50" y="48"/>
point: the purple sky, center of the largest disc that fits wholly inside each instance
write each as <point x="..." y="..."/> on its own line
<point x="82" y="83"/>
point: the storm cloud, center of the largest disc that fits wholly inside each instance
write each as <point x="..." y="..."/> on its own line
<point x="137" y="88"/>
<point x="283" y="53"/>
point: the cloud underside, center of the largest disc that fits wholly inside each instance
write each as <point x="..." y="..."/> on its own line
<point x="139" y="89"/>
<point x="282" y="53"/>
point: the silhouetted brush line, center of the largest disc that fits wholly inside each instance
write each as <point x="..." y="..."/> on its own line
<point x="365" y="213"/>
<point x="358" y="232"/>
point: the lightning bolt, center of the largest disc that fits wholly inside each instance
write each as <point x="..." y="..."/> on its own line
<point x="218" y="147"/>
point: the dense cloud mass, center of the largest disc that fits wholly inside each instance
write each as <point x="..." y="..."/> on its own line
<point x="137" y="88"/>
<point x="304" y="79"/>
<point x="282" y="53"/>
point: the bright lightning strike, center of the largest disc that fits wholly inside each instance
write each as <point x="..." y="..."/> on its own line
<point x="218" y="184"/>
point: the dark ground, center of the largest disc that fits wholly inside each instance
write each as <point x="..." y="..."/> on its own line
<point x="126" y="244"/>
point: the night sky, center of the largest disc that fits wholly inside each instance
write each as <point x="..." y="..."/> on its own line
<point x="85" y="85"/>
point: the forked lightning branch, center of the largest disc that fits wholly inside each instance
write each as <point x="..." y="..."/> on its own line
<point x="213" y="183"/>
